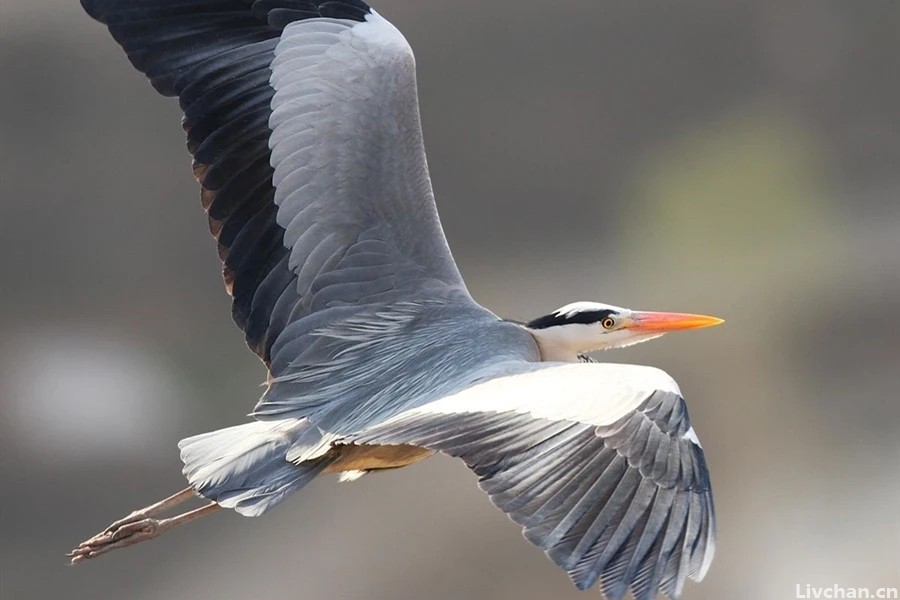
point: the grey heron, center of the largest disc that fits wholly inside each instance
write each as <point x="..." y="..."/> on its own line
<point x="302" y="118"/>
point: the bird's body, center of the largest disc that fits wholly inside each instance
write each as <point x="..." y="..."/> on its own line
<point x="303" y="120"/>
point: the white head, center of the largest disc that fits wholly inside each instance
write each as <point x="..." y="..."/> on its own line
<point x="586" y="326"/>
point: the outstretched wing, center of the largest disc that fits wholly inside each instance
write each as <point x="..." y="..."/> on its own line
<point x="302" y="117"/>
<point x="597" y="462"/>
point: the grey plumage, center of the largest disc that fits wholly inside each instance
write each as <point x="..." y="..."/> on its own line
<point x="345" y="95"/>
<point x="244" y="467"/>
<point x="303" y="120"/>
<point x="628" y="503"/>
<point x="402" y="345"/>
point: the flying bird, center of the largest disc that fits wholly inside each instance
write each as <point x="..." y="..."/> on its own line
<point x="302" y="118"/>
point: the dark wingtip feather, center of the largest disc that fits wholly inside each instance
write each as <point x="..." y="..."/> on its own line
<point x="93" y="8"/>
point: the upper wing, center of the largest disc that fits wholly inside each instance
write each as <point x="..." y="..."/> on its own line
<point x="597" y="462"/>
<point x="302" y="117"/>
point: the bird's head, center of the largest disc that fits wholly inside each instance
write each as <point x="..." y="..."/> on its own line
<point x="586" y="326"/>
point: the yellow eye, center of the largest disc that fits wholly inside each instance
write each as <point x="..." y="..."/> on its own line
<point x="608" y="323"/>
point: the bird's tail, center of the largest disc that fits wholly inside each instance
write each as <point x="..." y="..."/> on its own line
<point x="245" y="467"/>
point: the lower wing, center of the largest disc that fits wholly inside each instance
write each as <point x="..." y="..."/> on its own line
<point x="597" y="462"/>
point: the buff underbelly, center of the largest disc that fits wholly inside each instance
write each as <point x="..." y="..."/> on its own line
<point x="363" y="458"/>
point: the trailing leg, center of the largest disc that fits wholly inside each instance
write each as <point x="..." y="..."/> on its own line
<point x="141" y="525"/>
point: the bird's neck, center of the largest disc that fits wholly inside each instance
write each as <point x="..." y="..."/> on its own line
<point x="564" y="343"/>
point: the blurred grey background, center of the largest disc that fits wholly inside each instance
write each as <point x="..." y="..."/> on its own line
<point x="740" y="159"/>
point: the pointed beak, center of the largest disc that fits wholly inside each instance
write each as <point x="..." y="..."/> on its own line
<point x="662" y="322"/>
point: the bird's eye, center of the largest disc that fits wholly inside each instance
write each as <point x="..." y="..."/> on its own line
<point x="608" y="323"/>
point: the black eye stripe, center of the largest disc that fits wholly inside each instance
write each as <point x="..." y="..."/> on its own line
<point x="582" y="317"/>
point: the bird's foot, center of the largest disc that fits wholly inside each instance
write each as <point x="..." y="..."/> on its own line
<point x="140" y="526"/>
<point x="136" y="527"/>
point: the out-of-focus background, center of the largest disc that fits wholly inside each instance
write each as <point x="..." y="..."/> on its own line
<point x="738" y="159"/>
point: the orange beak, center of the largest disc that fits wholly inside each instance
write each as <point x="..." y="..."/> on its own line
<point x="662" y="322"/>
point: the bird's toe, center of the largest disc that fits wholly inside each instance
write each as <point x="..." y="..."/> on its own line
<point x="114" y="537"/>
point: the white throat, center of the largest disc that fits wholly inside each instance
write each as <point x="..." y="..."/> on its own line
<point x="565" y="342"/>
